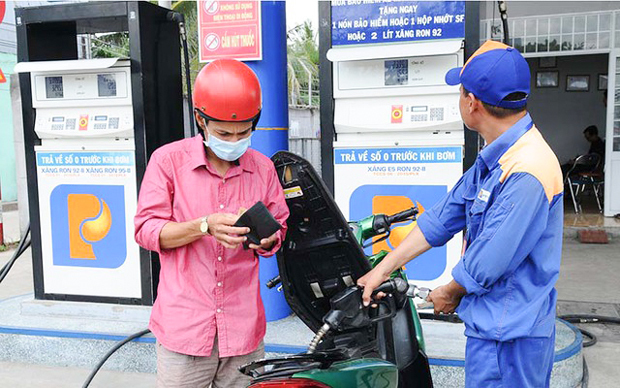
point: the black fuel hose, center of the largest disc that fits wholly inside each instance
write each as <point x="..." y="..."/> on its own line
<point x="180" y="18"/>
<point x="24" y="243"/>
<point x="589" y="318"/>
<point x="585" y="377"/>
<point x="588" y="334"/>
<point x="110" y="352"/>
<point x="452" y="318"/>
<point x="503" y="13"/>
<point x="21" y="248"/>
<point x="572" y="318"/>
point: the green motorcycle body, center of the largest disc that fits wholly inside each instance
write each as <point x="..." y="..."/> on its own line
<point x="362" y="373"/>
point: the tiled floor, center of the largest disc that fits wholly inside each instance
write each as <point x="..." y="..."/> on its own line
<point x="589" y="217"/>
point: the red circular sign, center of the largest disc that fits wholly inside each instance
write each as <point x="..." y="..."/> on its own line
<point x="212" y="42"/>
<point x="2" y="10"/>
<point x="211" y="7"/>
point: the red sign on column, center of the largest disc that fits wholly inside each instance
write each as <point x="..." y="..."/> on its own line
<point x="2" y="77"/>
<point x="229" y="29"/>
<point x="2" y="10"/>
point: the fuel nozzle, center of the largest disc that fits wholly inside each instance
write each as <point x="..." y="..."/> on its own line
<point x="348" y="312"/>
<point x="346" y="306"/>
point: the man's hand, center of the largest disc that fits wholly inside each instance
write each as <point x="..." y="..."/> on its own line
<point x="222" y="229"/>
<point x="370" y="281"/>
<point x="446" y="298"/>
<point x="411" y="247"/>
<point x="265" y="244"/>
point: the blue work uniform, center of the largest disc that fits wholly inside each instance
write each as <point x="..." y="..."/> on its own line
<point x="511" y="203"/>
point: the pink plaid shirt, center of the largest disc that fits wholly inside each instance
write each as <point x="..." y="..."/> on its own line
<point x="205" y="289"/>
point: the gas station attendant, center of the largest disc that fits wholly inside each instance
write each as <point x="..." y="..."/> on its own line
<point x="208" y="317"/>
<point x="510" y="203"/>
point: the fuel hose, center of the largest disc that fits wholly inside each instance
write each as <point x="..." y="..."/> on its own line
<point x="24" y="243"/>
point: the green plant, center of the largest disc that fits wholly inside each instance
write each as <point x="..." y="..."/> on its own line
<point x="302" y="53"/>
<point x="303" y="65"/>
<point x="8" y="246"/>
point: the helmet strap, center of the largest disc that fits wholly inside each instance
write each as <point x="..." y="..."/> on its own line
<point x="255" y="120"/>
<point x="207" y="119"/>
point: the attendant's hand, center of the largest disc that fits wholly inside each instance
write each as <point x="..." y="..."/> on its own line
<point x="222" y="229"/>
<point x="265" y="244"/>
<point x="446" y="298"/>
<point x="370" y="282"/>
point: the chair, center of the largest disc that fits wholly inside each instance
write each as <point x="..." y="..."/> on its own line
<point x="585" y="171"/>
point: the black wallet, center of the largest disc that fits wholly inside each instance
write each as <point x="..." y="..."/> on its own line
<point x="261" y="224"/>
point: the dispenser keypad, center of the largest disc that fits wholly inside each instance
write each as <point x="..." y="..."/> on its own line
<point x="436" y="114"/>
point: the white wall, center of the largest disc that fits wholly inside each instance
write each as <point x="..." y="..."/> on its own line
<point x="562" y="116"/>
<point x="304" y="135"/>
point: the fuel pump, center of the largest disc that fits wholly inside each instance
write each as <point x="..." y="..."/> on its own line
<point x="89" y="127"/>
<point x="86" y="174"/>
<point x="398" y="137"/>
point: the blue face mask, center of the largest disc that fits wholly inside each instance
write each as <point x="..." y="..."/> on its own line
<point x="228" y="150"/>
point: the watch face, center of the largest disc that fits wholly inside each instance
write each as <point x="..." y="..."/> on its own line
<point x="204" y="227"/>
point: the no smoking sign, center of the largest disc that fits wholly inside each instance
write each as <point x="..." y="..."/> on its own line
<point x="212" y="42"/>
<point x="229" y="29"/>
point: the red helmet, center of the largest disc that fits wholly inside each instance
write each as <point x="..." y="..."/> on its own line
<point x="227" y="90"/>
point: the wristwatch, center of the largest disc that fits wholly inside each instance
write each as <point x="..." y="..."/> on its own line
<point x="204" y="226"/>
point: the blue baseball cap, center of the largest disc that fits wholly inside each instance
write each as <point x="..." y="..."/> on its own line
<point x="493" y="72"/>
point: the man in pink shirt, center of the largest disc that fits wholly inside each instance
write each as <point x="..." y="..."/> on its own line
<point x="208" y="317"/>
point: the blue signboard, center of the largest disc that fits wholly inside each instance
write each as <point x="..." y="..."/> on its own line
<point x="385" y="21"/>
<point x="419" y="155"/>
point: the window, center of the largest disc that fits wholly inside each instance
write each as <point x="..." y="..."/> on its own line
<point x="540" y="34"/>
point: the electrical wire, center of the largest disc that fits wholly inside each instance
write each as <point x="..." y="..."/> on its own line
<point x="109" y="353"/>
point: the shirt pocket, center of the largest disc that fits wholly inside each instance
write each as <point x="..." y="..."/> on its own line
<point x="469" y="196"/>
<point x="495" y="217"/>
<point x="476" y="216"/>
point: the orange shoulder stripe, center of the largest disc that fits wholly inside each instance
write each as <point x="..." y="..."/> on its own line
<point x="531" y="154"/>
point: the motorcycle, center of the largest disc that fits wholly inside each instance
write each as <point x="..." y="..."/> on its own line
<point x="319" y="264"/>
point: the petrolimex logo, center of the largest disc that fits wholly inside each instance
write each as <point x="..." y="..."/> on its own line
<point x="391" y="199"/>
<point x="88" y="226"/>
<point x="388" y="204"/>
<point x="397" y="114"/>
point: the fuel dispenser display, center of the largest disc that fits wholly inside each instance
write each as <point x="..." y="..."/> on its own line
<point x="399" y="137"/>
<point x="86" y="176"/>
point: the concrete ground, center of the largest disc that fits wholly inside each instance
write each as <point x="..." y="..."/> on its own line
<point x="588" y="283"/>
<point x="18" y="375"/>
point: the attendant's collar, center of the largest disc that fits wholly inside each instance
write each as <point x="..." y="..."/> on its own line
<point x="491" y="154"/>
